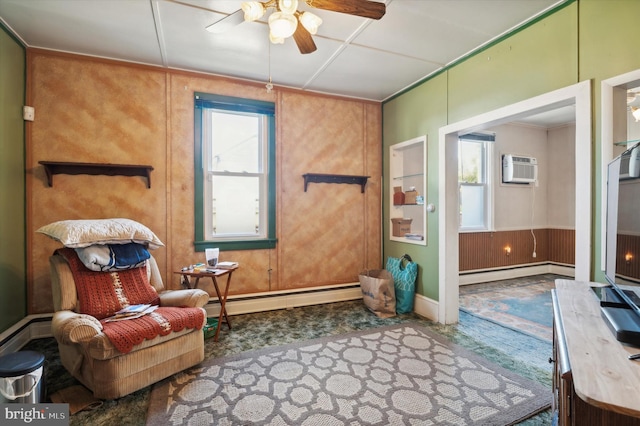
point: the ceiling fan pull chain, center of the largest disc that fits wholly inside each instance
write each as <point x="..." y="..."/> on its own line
<point x="269" y="85"/>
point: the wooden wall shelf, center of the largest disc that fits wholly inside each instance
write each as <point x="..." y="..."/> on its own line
<point x="329" y="178"/>
<point x="69" y="168"/>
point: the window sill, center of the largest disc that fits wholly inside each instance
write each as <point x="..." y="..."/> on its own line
<point x="223" y="245"/>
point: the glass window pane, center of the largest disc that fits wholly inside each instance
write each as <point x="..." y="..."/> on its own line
<point x="236" y="205"/>
<point x="472" y="206"/>
<point x="471" y="162"/>
<point x="235" y="142"/>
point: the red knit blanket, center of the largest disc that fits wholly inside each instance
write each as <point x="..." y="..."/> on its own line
<point x="102" y="294"/>
<point x="127" y="333"/>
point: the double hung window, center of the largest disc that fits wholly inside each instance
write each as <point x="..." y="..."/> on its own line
<point x="234" y="173"/>
<point x="474" y="181"/>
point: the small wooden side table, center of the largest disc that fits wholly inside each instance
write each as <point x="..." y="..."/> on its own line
<point x="222" y="296"/>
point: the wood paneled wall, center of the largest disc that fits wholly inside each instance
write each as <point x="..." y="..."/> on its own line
<point x="488" y="250"/>
<point x="562" y="246"/>
<point x="100" y="111"/>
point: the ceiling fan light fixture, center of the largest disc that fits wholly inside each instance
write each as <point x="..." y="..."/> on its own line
<point x="282" y="25"/>
<point x="310" y="21"/>
<point x="253" y="10"/>
<point x="287" y="20"/>
<point x="275" y="40"/>
<point x="288" y="6"/>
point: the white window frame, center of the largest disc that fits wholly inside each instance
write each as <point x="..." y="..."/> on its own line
<point x="488" y="168"/>
<point x="209" y="173"/>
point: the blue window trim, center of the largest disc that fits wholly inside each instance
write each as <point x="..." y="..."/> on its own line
<point x="204" y="101"/>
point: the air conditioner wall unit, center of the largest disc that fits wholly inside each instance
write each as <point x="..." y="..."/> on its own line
<point x="630" y="164"/>
<point x="518" y="169"/>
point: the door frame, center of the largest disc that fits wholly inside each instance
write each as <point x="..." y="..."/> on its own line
<point x="579" y="95"/>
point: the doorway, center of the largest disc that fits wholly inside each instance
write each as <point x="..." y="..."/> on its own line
<point x="614" y="104"/>
<point x="578" y="95"/>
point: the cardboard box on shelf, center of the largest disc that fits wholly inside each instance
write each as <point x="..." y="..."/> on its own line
<point x="401" y="226"/>
<point x="410" y="196"/>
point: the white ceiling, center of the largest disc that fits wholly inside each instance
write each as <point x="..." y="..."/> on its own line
<point x="356" y="57"/>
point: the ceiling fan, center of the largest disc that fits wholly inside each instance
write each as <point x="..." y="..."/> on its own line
<point x="287" y="21"/>
<point x="632" y="95"/>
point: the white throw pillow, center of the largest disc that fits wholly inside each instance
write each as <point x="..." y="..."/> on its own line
<point x="83" y="233"/>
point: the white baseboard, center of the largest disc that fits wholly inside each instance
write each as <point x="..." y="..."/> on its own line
<point x="516" y="272"/>
<point x="567" y="270"/>
<point x="28" y="328"/>
<point x="426" y="307"/>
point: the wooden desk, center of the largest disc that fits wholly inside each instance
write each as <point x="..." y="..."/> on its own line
<point x="594" y="382"/>
<point x="222" y="296"/>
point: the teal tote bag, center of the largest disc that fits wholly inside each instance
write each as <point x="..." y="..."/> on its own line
<point x="405" y="272"/>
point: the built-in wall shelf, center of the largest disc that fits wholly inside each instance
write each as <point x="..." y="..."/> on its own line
<point x="626" y="144"/>
<point x="69" y="168"/>
<point x="407" y="169"/>
<point x="329" y="178"/>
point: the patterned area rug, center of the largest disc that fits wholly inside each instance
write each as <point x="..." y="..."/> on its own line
<point x="522" y="304"/>
<point x="396" y="375"/>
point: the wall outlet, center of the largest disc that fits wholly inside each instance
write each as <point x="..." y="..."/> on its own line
<point x="28" y="113"/>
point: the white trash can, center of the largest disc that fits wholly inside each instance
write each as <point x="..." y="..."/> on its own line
<point x="22" y="378"/>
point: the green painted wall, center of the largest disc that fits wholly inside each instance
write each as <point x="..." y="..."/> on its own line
<point x="538" y="59"/>
<point x="419" y="112"/>
<point x="582" y="40"/>
<point x="12" y="184"/>
<point x="606" y="49"/>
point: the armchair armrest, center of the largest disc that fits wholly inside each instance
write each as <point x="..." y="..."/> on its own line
<point x="192" y="298"/>
<point x="71" y="327"/>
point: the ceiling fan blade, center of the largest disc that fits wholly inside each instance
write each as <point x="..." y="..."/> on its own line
<point x="226" y="23"/>
<point x="304" y="40"/>
<point x="364" y="8"/>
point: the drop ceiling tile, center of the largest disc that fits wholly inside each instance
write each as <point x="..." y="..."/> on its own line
<point x="223" y="7"/>
<point x="105" y="28"/>
<point x="243" y="51"/>
<point x="290" y="68"/>
<point x="370" y="74"/>
<point x="439" y="31"/>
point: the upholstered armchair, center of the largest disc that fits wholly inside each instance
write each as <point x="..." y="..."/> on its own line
<point x="92" y="358"/>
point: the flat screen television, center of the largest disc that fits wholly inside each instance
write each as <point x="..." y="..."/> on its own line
<point x="620" y="303"/>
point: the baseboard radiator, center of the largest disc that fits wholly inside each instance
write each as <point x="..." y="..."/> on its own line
<point x="516" y="271"/>
<point x="39" y="326"/>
